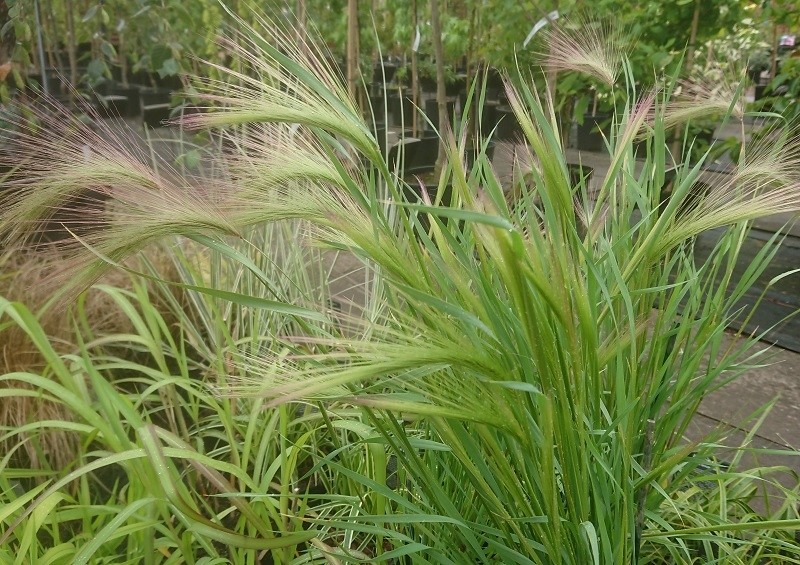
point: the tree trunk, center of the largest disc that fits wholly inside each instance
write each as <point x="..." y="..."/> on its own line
<point x="473" y="25"/>
<point x="7" y="42"/>
<point x="441" y="96"/>
<point x="687" y="64"/>
<point x="71" y="44"/>
<point x="414" y="75"/>
<point x="122" y="57"/>
<point x="693" y="35"/>
<point x="52" y="33"/>
<point x="773" y="61"/>
<point x="40" y="47"/>
<point x="352" y="49"/>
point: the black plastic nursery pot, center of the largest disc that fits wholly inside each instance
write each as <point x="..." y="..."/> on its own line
<point x="413" y="193"/>
<point x="508" y="128"/>
<point x="383" y="73"/>
<point x="379" y="106"/>
<point x="593" y="132"/>
<point x="414" y="156"/>
<point x="114" y="106"/>
<point x="427" y="84"/>
<point x="401" y="109"/>
<point x="155" y="104"/>
<point x="489" y="116"/>
<point x="57" y="81"/>
<point x="131" y="95"/>
<point x="432" y="111"/>
<point x="117" y="101"/>
<point x="171" y="82"/>
<point x="457" y="86"/>
<point x="472" y="152"/>
<point x="494" y="84"/>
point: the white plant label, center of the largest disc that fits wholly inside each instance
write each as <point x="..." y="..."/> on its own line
<point x="551" y="17"/>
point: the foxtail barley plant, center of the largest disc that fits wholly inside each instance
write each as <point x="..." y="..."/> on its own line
<point x="519" y="383"/>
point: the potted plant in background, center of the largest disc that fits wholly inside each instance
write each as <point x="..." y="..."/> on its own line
<point x="783" y="92"/>
<point x="757" y="65"/>
<point x="590" y="108"/>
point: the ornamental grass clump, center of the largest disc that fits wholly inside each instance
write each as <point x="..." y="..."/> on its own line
<point x="526" y="368"/>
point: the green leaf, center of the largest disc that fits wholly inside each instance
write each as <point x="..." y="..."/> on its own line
<point x="90" y="13"/>
<point x="6" y="28"/>
<point x="190" y="159"/>
<point x="23" y="31"/>
<point x="459" y="214"/>
<point x="517" y="385"/>
<point x="96" y="69"/>
<point x="170" y="67"/>
<point x="108" y="50"/>
<point x="99" y="538"/>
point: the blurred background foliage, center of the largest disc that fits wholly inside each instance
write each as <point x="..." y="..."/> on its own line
<point x="157" y="35"/>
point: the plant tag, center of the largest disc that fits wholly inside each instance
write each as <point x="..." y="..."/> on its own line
<point x="552" y="16"/>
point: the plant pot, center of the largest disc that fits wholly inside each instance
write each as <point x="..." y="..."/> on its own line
<point x="400" y="109"/>
<point x="472" y="152"/>
<point x="413" y="194"/>
<point x="494" y="84"/>
<point x="115" y="100"/>
<point x="155" y="105"/>
<point x="380" y="108"/>
<point x="131" y="93"/>
<point x="508" y="128"/>
<point x="142" y="78"/>
<point x="419" y="155"/>
<point x="432" y="111"/>
<point x="83" y="50"/>
<point x="489" y="117"/>
<point x="383" y="73"/>
<point x="427" y="84"/>
<point x="593" y="132"/>
<point x="55" y="81"/>
<point x="172" y="82"/>
<point x="457" y="86"/>
<point x="406" y="150"/>
<point x="113" y="105"/>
